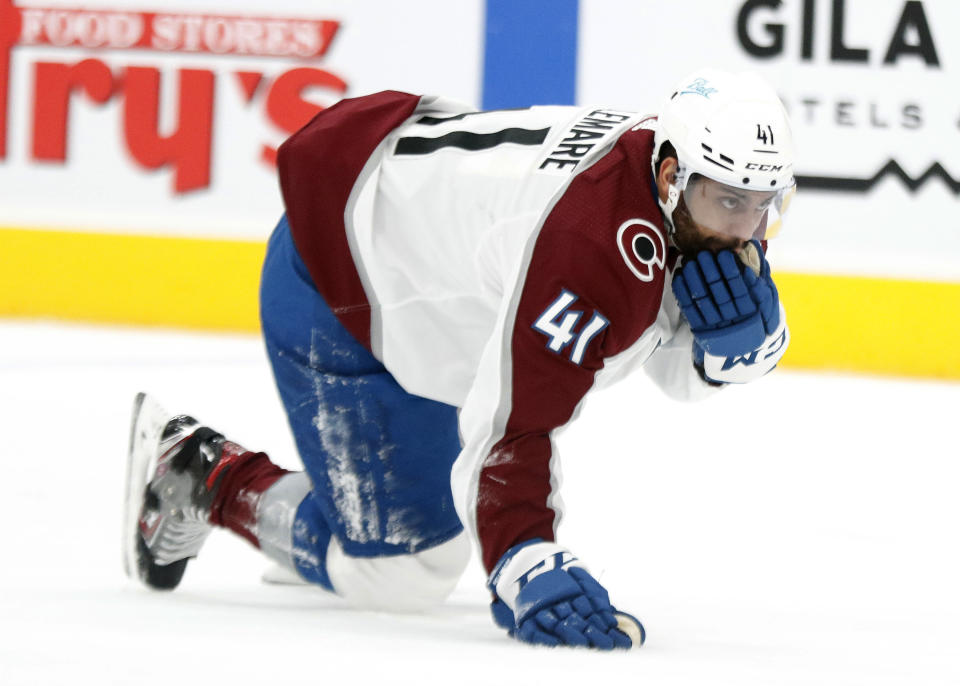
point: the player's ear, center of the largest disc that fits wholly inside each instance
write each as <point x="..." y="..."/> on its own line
<point x="666" y="175"/>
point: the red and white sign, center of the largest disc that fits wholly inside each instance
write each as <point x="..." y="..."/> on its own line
<point x="131" y="117"/>
<point x="86" y="28"/>
<point x="187" y="149"/>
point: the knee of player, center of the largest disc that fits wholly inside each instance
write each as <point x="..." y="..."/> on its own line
<point x="399" y="582"/>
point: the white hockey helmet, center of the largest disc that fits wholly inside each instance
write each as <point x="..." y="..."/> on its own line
<point x="733" y="129"/>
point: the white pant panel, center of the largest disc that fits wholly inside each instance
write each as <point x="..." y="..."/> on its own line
<point x="398" y="582"/>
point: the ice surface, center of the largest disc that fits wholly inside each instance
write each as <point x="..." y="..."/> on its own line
<point x="801" y="530"/>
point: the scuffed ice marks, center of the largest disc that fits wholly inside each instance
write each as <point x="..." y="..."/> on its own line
<point x="341" y="423"/>
<point x="303" y="556"/>
<point x="400" y="532"/>
<point x="370" y="496"/>
<point x="350" y="424"/>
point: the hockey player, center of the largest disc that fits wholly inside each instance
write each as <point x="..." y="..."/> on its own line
<point x="445" y="287"/>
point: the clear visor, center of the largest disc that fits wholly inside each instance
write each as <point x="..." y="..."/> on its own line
<point x="735" y="211"/>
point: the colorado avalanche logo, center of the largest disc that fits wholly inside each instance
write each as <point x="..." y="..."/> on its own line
<point x="642" y="246"/>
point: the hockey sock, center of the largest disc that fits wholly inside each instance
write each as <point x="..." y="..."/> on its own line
<point x="243" y="476"/>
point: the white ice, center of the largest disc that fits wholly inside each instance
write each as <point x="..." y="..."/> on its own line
<point x="804" y="530"/>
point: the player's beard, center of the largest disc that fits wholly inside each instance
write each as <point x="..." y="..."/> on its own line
<point x="690" y="238"/>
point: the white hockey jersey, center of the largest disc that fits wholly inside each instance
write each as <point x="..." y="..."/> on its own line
<point x="503" y="262"/>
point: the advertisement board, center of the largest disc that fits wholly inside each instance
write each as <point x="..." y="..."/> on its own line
<point x="871" y="89"/>
<point x="134" y="117"/>
<point x="133" y="135"/>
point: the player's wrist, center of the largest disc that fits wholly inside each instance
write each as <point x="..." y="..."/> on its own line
<point x="522" y="563"/>
<point x="752" y="364"/>
<point x="702" y="373"/>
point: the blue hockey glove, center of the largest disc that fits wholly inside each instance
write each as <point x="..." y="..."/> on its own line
<point x="734" y="313"/>
<point x="543" y="595"/>
<point x="730" y="307"/>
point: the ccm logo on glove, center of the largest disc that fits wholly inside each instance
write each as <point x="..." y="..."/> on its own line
<point x="752" y="365"/>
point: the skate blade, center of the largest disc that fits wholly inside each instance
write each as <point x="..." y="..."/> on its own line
<point x="146" y="428"/>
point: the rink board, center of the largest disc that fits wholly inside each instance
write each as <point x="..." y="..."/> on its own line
<point x="183" y="201"/>
<point x="875" y="325"/>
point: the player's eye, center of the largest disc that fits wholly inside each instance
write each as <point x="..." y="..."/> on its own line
<point x="729" y="202"/>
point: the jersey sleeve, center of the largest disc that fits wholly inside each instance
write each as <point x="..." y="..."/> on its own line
<point x="671" y="367"/>
<point x="586" y="296"/>
<point x="567" y="314"/>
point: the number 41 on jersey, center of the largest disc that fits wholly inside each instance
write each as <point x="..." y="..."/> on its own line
<point x="559" y="322"/>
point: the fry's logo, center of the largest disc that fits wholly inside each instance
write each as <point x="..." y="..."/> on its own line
<point x="187" y="149"/>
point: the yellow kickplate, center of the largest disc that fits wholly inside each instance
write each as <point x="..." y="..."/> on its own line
<point x="180" y="282"/>
<point x="884" y="326"/>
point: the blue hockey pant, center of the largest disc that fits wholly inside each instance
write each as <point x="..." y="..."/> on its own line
<point x="377" y="459"/>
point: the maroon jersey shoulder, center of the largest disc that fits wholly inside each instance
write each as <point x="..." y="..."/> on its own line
<point x="606" y="239"/>
<point x="319" y="166"/>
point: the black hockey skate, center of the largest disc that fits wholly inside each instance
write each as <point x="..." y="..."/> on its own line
<point x="170" y="465"/>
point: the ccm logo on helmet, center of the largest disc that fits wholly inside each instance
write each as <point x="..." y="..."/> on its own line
<point x="643" y="247"/>
<point x="764" y="167"/>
